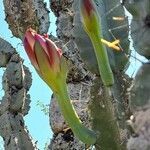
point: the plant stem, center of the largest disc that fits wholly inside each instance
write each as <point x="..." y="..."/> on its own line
<point x="102" y="59"/>
<point x="80" y="131"/>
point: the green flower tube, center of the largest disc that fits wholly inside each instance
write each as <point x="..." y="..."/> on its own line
<point x="84" y="134"/>
<point x="91" y="24"/>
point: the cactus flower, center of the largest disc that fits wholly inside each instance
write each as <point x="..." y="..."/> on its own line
<point x="45" y="56"/>
<point x="91" y="23"/>
<point x="48" y="61"/>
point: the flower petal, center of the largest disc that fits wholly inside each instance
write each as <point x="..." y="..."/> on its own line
<point x="30" y="53"/>
<point x="29" y="35"/>
<point x="88" y="6"/>
<point x="54" y="54"/>
<point x="42" y="42"/>
<point x="43" y="60"/>
<point x="90" y="17"/>
<point x="46" y="72"/>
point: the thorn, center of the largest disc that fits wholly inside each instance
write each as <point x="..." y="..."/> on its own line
<point x="112" y="45"/>
<point x="66" y="129"/>
<point x="118" y="18"/>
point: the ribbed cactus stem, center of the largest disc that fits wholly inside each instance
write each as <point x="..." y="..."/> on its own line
<point x="104" y="121"/>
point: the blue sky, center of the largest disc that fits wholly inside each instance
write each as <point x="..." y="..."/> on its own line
<point x="36" y="121"/>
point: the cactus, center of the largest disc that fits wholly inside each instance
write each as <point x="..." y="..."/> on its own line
<point x="140" y="26"/>
<point x="139" y="91"/>
<point x="118" y="60"/>
<point x="14" y="105"/>
<point x="119" y="115"/>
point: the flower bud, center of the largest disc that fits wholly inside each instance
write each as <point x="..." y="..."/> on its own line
<point x="89" y="16"/>
<point x="45" y="56"/>
<point x="92" y="26"/>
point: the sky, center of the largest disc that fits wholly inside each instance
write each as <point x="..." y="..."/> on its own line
<point x="37" y="122"/>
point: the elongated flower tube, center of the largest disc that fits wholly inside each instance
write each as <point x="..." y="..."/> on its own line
<point x="49" y="63"/>
<point x="91" y="24"/>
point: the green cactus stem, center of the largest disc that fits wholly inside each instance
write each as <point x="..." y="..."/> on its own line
<point x="104" y="121"/>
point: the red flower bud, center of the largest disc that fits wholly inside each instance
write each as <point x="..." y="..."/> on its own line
<point x="88" y="6"/>
<point x="44" y="55"/>
<point x="90" y="17"/>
